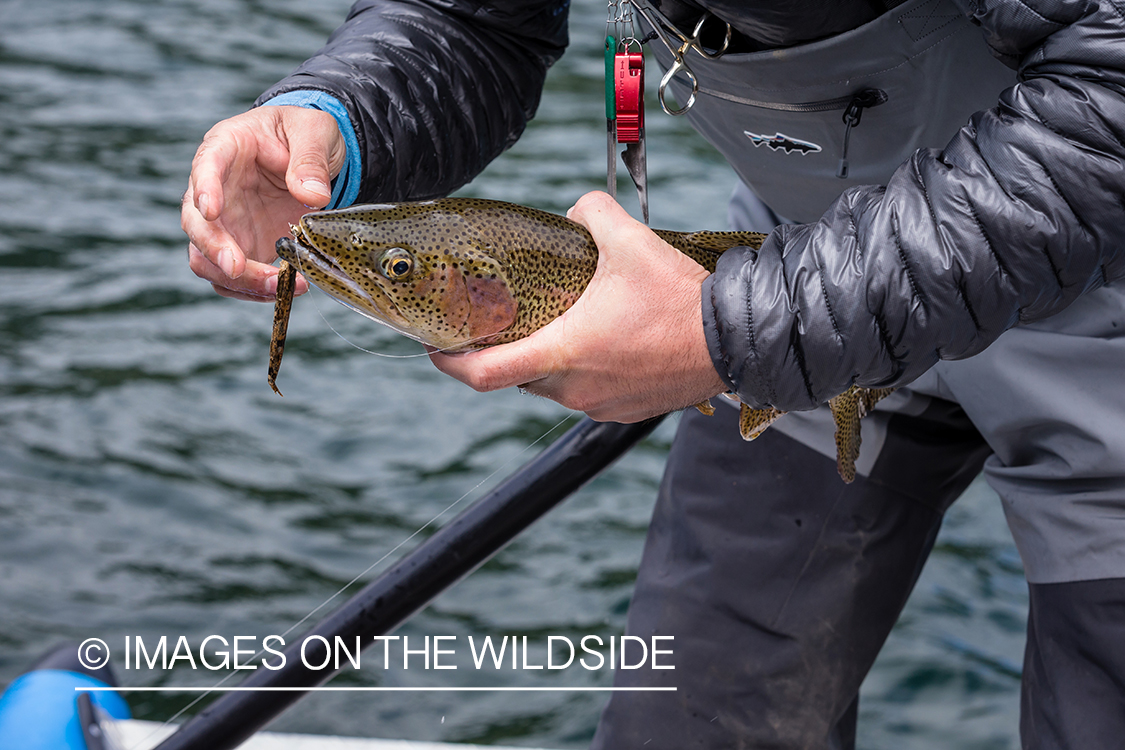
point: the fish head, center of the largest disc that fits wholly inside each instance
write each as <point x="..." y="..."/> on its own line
<point x="417" y="268"/>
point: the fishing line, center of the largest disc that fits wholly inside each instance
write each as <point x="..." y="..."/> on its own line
<point x="320" y="312"/>
<point x="345" y="587"/>
<point x="349" y="584"/>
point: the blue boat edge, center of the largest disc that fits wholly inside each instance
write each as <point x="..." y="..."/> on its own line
<point x="39" y="710"/>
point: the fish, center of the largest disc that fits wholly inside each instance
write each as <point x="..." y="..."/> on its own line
<point x="460" y="274"/>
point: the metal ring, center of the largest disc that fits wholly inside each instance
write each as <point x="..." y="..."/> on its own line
<point x="623" y="44"/>
<point x="697" y="45"/>
<point x="672" y="71"/>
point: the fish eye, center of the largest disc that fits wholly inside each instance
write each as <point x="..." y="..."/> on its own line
<point x="396" y="263"/>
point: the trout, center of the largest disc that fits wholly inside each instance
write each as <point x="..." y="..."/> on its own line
<point x="461" y="273"/>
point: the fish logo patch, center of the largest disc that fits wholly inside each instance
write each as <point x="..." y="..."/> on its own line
<point x="782" y="142"/>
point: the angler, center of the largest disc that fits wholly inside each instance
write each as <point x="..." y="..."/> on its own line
<point x="946" y="216"/>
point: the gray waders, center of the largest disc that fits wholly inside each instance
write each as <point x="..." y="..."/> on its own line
<point x="780" y="583"/>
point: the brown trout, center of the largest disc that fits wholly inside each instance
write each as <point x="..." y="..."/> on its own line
<point x="460" y="274"/>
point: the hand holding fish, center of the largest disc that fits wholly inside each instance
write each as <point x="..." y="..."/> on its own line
<point x="253" y="175"/>
<point x="594" y="311"/>
<point x="630" y="348"/>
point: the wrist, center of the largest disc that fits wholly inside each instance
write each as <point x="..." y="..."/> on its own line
<point x="345" y="186"/>
<point x="710" y="377"/>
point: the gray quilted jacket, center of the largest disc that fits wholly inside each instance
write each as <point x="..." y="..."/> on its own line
<point x="1022" y="212"/>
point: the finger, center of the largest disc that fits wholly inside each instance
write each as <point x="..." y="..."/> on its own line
<point x="212" y="239"/>
<point x="231" y="294"/>
<point x="312" y="137"/>
<point x="210" y="169"/>
<point x="258" y="282"/>
<point x="497" y="367"/>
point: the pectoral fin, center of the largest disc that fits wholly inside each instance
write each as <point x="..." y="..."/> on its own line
<point x="847" y="409"/>
<point x="753" y="422"/>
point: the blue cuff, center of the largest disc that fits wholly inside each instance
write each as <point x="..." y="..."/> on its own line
<point x="345" y="188"/>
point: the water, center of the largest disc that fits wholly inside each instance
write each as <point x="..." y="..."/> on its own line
<point x="151" y="484"/>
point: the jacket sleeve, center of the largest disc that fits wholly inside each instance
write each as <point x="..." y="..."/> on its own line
<point x="436" y="89"/>
<point x="1021" y="213"/>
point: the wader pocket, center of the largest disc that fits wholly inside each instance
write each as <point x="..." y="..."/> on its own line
<point x="800" y="125"/>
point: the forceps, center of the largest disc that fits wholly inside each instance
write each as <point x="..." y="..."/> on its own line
<point x="663" y="26"/>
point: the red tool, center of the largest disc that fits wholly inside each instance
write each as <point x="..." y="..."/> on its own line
<point x="629" y="87"/>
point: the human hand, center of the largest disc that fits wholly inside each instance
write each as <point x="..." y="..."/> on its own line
<point x="630" y="348"/>
<point x="252" y="176"/>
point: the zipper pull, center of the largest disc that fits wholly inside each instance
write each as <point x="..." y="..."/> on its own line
<point x="862" y="100"/>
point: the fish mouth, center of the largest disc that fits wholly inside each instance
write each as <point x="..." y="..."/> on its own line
<point x="289" y="250"/>
<point x="302" y="253"/>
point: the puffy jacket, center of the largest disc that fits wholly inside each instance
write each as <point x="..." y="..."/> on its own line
<point x="435" y="90"/>
<point x="1022" y="212"/>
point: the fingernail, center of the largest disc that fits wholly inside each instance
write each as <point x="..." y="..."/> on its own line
<point x="226" y="262"/>
<point x="317" y="187"/>
<point x="271" y="285"/>
<point x="202" y="203"/>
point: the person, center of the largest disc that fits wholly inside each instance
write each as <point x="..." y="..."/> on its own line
<point x="945" y="185"/>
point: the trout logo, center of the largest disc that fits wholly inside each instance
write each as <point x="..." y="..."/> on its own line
<point x="782" y="142"/>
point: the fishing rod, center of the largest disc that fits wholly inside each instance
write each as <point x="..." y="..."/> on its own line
<point x="456" y="550"/>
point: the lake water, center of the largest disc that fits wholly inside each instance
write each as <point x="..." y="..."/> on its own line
<point x="151" y="483"/>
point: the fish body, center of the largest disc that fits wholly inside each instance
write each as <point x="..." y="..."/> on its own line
<point x="462" y="273"/>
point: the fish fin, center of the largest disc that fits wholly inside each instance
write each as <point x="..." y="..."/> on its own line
<point x="847" y="409"/>
<point x="705" y="408"/>
<point x="871" y="396"/>
<point x="846" y="413"/>
<point x="753" y="422"/>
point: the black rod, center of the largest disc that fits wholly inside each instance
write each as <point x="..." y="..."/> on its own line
<point x="433" y="566"/>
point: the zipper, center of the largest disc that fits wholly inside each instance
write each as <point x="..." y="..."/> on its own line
<point x="852" y="113"/>
<point x="852" y="104"/>
<point x="824" y="105"/>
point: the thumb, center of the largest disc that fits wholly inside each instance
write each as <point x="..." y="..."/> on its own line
<point x="606" y="221"/>
<point x="599" y="213"/>
<point x="307" y="176"/>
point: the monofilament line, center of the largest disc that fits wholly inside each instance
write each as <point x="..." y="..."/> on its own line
<point x="217" y="687"/>
<point x="368" y="351"/>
